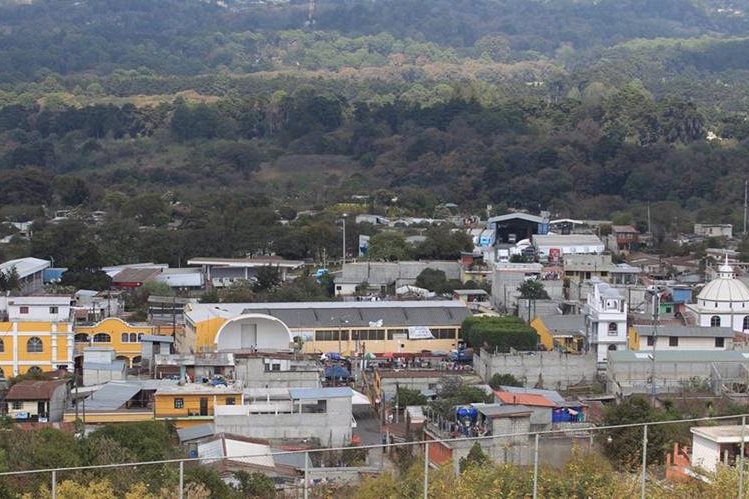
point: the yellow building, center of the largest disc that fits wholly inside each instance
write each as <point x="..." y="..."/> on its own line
<point x="191" y="404"/>
<point x="115" y="333"/>
<point x="346" y="327"/>
<point x="36" y="335"/>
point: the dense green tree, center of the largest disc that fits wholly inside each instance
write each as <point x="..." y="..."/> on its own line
<point x="388" y="246"/>
<point x="533" y="289"/>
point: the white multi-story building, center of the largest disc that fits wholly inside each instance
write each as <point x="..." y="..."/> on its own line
<point x="605" y="320"/>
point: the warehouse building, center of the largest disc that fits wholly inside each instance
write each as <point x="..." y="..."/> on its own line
<point x="321" y="327"/>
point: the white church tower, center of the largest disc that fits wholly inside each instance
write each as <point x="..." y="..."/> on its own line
<point x="605" y="320"/>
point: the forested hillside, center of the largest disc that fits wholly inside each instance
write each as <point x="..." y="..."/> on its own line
<point x="181" y="115"/>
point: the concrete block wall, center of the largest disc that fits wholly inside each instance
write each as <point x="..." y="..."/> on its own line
<point x="331" y="428"/>
<point x="555" y="370"/>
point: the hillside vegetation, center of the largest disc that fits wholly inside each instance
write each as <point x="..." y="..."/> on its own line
<point x="583" y="108"/>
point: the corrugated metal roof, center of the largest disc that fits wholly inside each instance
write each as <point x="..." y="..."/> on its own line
<point x="564" y="323"/>
<point x="195" y="432"/>
<point x="391" y="314"/>
<point x="320" y="393"/>
<point x="685" y="331"/>
<point x="516" y="216"/>
<point x="498" y="410"/>
<point x="25" y="266"/>
<point x="112" y="396"/>
<point x="136" y="275"/>
<point x="295" y="459"/>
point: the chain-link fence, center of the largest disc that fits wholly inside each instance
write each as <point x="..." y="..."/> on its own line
<point x="647" y="453"/>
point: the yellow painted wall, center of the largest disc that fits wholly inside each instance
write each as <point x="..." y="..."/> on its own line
<point x="114" y="328"/>
<point x="205" y="334"/>
<point x="25" y="331"/>
<point x="206" y="330"/>
<point x="633" y="339"/>
<point x="164" y="403"/>
<point x="545" y="336"/>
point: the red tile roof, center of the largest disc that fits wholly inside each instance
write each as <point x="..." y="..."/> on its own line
<point x="530" y="399"/>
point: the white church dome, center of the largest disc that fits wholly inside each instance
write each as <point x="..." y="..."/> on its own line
<point x="724" y="288"/>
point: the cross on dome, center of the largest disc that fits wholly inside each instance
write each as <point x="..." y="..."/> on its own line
<point x="726" y="271"/>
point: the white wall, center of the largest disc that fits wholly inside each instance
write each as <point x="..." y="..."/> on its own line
<point x="685" y="343"/>
<point x="39" y="308"/>
<point x="734" y="321"/>
<point x="705" y="453"/>
<point x="261" y="333"/>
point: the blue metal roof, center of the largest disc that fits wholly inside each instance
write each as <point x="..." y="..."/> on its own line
<point x="320" y="393"/>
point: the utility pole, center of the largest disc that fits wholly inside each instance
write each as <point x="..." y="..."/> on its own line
<point x="745" y="200"/>
<point x="650" y="232"/>
<point x="343" y="255"/>
<point x="656" y="307"/>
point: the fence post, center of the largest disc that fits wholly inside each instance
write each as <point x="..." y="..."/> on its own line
<point x="741" y="460"/>
<point x="535" y="469"/>
<point x="590" y="441"/>
<point x="426" y="469"/>
<point x="54" y="484"/>
<point x="306" y="474"/>
<point x="644" y="460"/>
<point x="181" y="480"/>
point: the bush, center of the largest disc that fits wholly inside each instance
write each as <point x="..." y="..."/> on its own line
<point x="499" y="333"/>
<point x="504" y="380"/>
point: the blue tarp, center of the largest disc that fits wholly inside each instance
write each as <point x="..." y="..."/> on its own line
<point x="337" y="372"/>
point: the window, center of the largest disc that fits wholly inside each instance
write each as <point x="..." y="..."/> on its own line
<point x="445" y="333"/>
<point x="24" y="310"/>
<point x="81" y="338"/>
<point x="231" y="401"/>
<point x="276" y="367"/>
<point x="139" y="337"/>
<point x="34" y="345"/>
<point x="179" y="403"/>
<point x="36" y="371"/>
<point x="53" y="310"/>
<point x="2" y="346"/>
<point x="720" y="342"/>
<point x="17" y="404"/>
<point x="124" y="338"/>
<point x="714" y="321"/>
<point x="393" y="332"/>
<point x="673" y="341"/>
<point x="651" y="341"/>
<point x="326" y="335"/>
<point x="2" y="373"/>
<point x="613" y="329"/>
<point x="102" y="338"/>
<point x="746" y="323"/>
